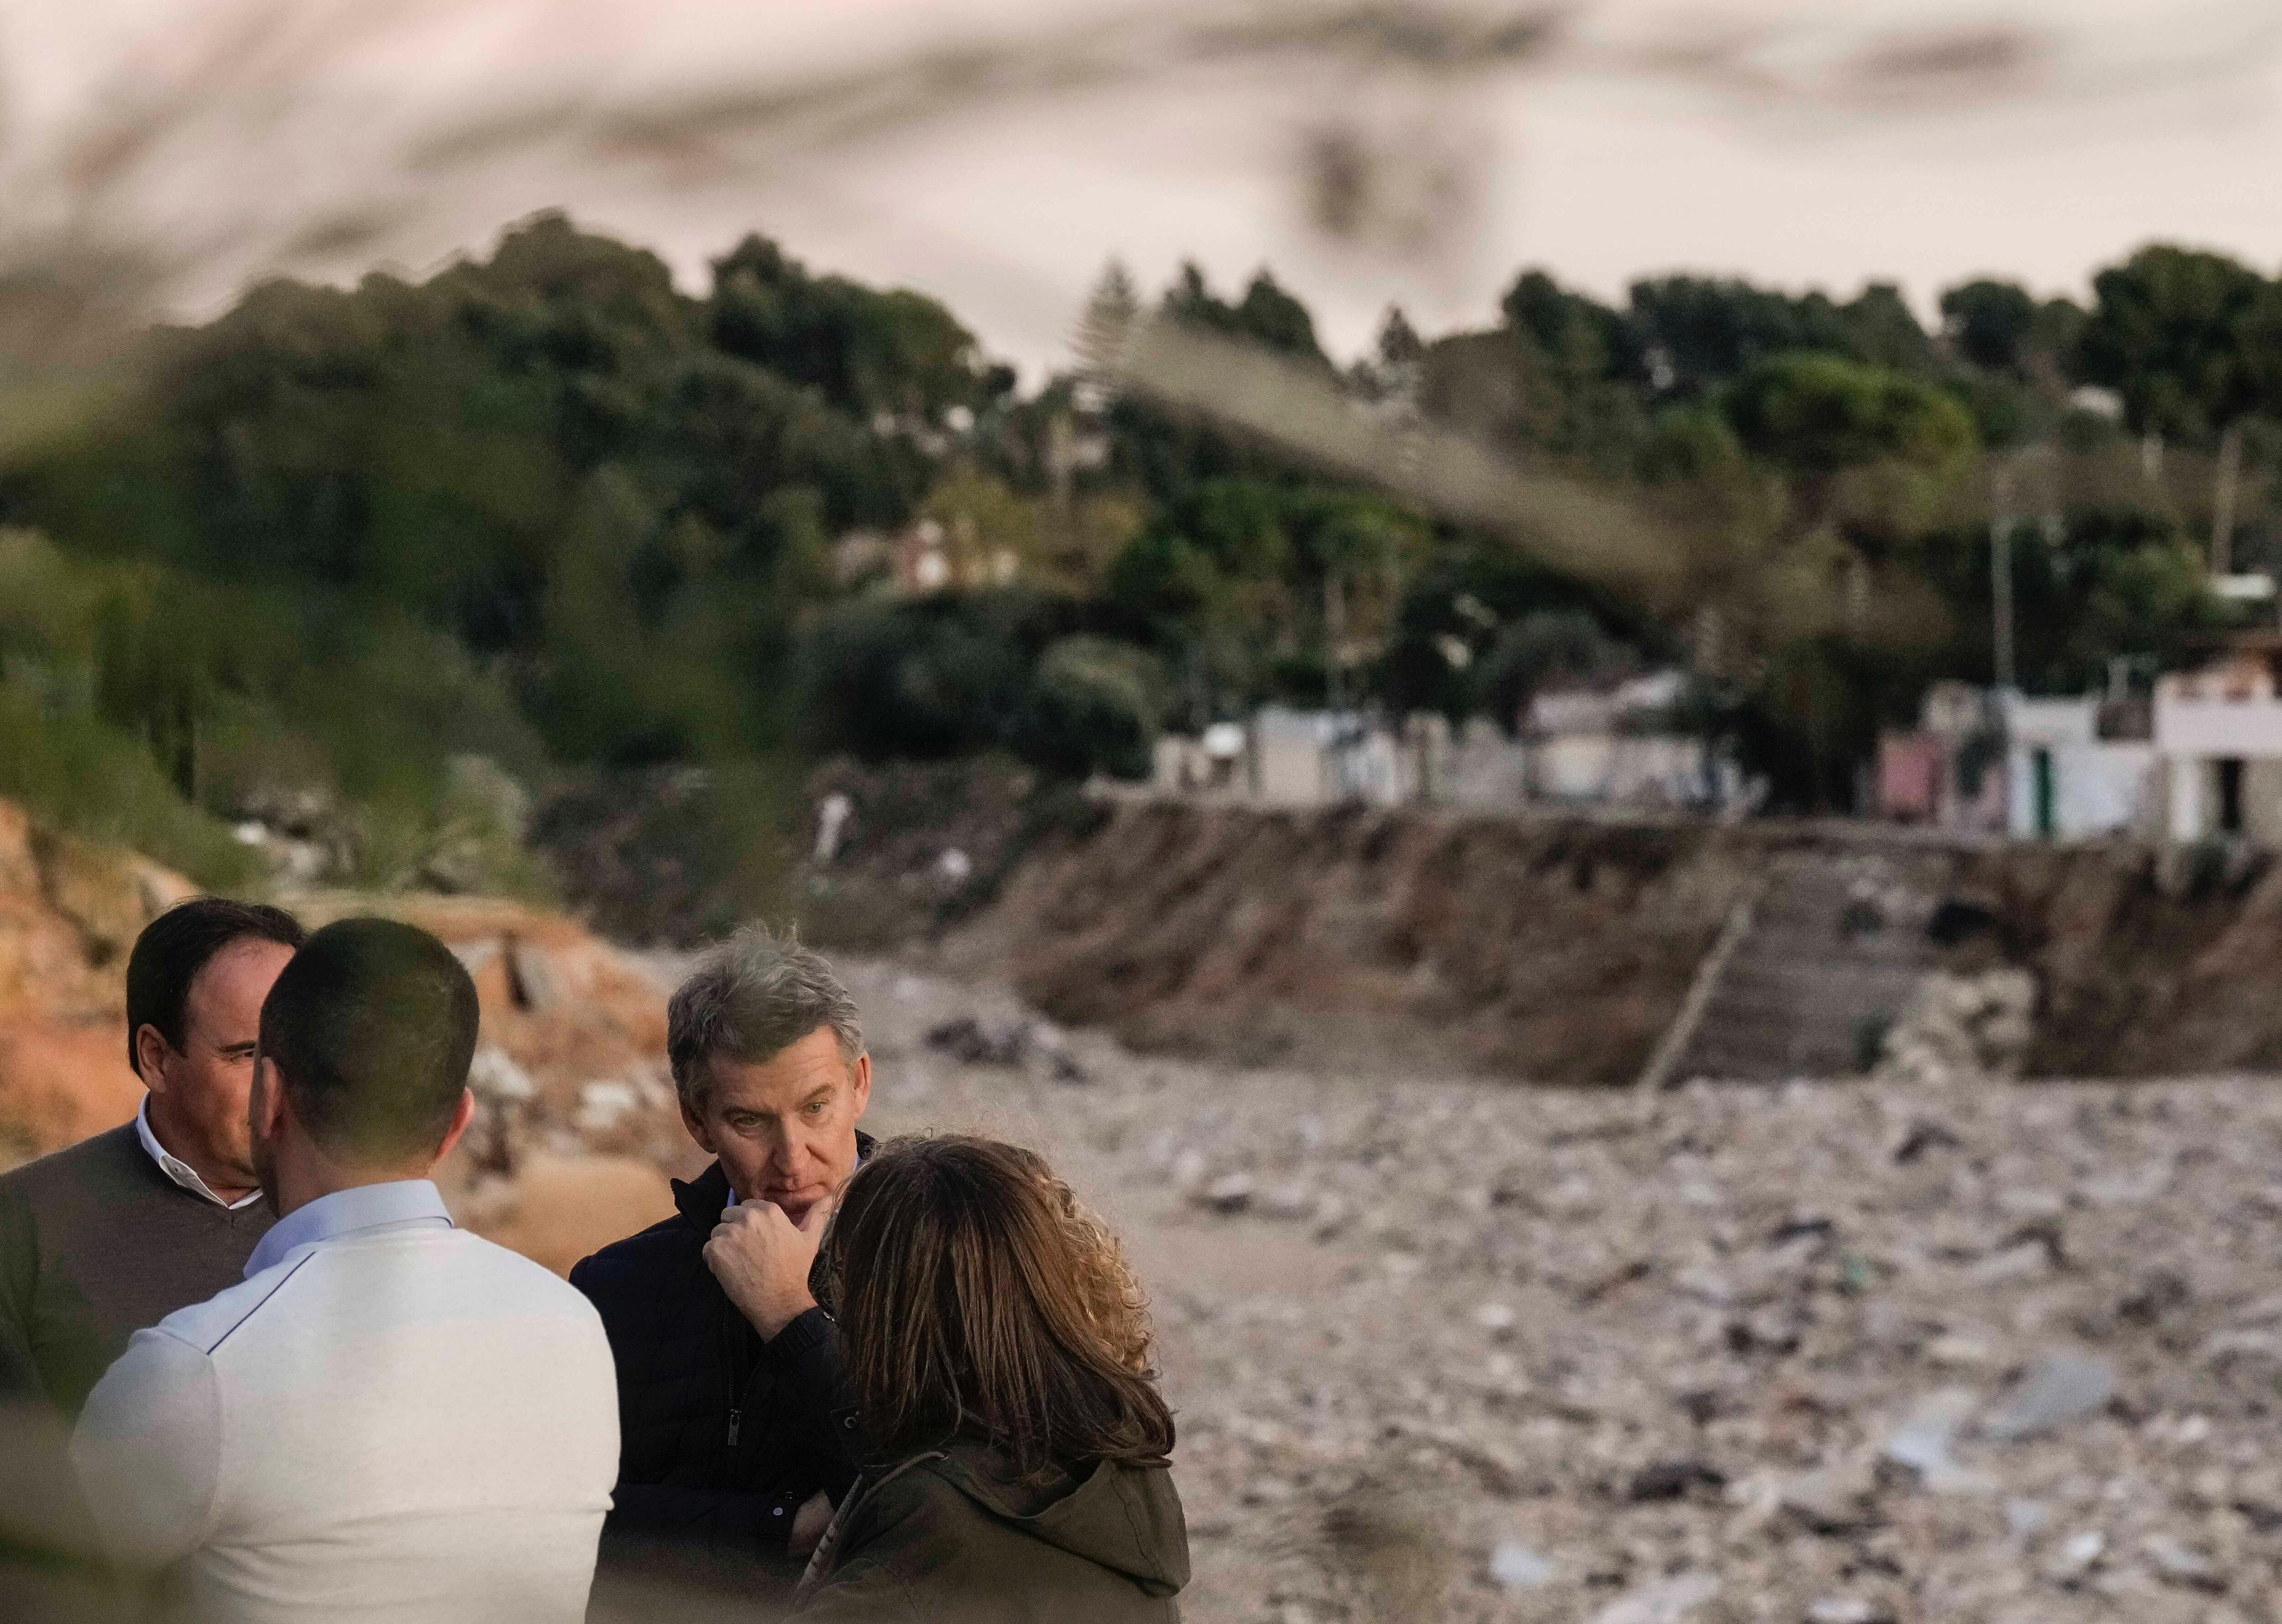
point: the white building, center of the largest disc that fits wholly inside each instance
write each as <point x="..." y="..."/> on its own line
<point x="2064" y="781"/>
<point x="2218" y="737"/>
<point x="1609" y="747"/>
<point x="1618" y="747"/>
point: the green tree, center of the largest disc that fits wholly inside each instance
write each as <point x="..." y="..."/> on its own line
<point x="1813" y="415"/>
<point x="2166" y="332"/>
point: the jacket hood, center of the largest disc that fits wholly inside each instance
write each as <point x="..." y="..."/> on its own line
<point x="1123" y="1518"/>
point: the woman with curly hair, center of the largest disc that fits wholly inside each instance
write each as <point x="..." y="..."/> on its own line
<point x="997" y="1349"/>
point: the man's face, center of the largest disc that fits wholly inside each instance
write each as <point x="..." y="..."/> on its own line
<point x="198" y="1093"/>
<point x="784" y="1128"/>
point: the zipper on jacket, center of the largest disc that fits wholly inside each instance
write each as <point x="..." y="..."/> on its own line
<point x="739" y="1399"/>
<point x="737" y="1409"/>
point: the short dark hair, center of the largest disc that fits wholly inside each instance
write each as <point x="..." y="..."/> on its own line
<point x="371" y="1027"/>
<point x="178" y="943"/>
<point x="977" y="1296"/>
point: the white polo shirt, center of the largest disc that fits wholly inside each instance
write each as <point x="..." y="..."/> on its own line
<point x="390" y="1420"/>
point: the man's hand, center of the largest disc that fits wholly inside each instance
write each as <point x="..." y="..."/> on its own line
<point x="762" y="1259"/>
<point x="809" y="1524"/>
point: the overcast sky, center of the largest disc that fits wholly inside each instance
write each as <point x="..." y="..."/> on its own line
<point x="1791" y="142"/>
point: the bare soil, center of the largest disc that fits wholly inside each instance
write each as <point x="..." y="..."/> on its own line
<point x="1558" y="950"/>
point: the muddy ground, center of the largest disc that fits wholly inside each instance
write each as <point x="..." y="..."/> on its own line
<point x="1839" y="1352"/>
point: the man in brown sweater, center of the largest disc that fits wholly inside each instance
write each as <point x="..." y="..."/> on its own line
<point x="120" y="1230"/>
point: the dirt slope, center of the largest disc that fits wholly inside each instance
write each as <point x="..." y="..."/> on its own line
<point x="1373" y="938"/>
<point x="1560" y="949"/>
<point x="579" y="1129"/>
<point x="69" y="911"/>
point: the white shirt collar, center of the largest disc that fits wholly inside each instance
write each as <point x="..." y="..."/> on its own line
<point x="398" y="1203"/>
<point x="176" y="1169"/>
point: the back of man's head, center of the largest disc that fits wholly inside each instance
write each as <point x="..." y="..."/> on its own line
<point x="370" y="1028"/>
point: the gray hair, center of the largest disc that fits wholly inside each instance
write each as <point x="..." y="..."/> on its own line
<point x="751" y="998"/>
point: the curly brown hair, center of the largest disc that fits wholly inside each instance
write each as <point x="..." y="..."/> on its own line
<point x="978" y="1298"/>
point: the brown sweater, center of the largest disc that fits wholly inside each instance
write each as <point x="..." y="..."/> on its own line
<point x="96" y="1242"/>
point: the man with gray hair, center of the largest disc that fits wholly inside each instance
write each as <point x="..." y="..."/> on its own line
<point x="734" y="1432"/>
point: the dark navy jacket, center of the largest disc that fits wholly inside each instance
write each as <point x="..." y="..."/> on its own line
<point x="721" y="1436"/>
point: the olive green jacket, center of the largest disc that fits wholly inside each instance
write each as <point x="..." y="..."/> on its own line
<point x="952" y="1537"/>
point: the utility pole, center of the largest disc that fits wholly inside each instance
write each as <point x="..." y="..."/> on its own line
<point x="2230" y="474"/>
<point x="2000" y="565"/>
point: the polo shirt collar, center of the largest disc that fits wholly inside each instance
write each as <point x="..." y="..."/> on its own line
<point x="400" y="1203"/>
<point x="183" y="1175"/>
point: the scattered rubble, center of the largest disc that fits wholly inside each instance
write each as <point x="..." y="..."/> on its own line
<point x="1015" y="1043"/>
<point x="1869" y="1352"/>
<point x="2057" y="1390"/>
<point x="1960" y="1028"/>
<point x="1515" y="1567"/>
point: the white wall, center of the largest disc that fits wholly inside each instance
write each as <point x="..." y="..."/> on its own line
<point x="2098" y="788"/>
<point x="2218" y="728"/>
<point x="2051" y="721"/>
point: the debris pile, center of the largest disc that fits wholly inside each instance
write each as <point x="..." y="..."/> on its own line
<point x="1847" y="1352"/>
<point x="1014" y="1043"/>
<point x="1962" y="1028"/>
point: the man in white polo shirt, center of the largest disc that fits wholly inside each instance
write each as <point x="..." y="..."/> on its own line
<point x="390" y="1419"/>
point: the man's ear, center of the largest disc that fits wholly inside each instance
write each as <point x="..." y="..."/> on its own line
<point x="150" y="1051"/>
<point x="265" y="1102"/>
<point x="696" y="1124"/>
<point x="463" y="1114"/>
<point x="859" y="1081"/>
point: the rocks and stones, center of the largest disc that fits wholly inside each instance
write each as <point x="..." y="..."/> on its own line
<point x="1526" y="1314"/>
<point x="1675" y="1480"/>
<point x="2173" y="1561"/>
<point x="1845" y="1610"/>
<point x="1515" y="1567"/>
<point x="1229" y="1193"/>
<point x="971" y="1042"/>
<point x="494" y="1076"/>
<point x="1289" y="1201"/>
<point x="2058" y="1388"/>
<point x="1495" y="1318"/>
<point x="1927" y="1434"/>
<point x="1665" y="1601"/>
<point x="2076" y="1556"/>
<point x="1958" y="1028"/>
<point x="1834" y="1500"/>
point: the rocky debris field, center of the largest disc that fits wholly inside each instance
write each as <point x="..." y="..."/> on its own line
<point x="1891" y="1349"/>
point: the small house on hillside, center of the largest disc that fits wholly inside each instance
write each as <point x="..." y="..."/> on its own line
<point x="1982" y="760"/>
<point x="2076" y="768"/>
<point x="1619" y="748"/>
<point x="2218" y="737"/>
<point x="1622" y="746"/>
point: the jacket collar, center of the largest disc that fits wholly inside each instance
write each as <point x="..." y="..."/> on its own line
<point x="703" y="1200"/>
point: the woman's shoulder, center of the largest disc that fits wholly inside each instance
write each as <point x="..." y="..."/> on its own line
<point x="962" y="1522"/>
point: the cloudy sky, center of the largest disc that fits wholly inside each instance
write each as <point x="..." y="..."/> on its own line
<point x="998" y="152"/>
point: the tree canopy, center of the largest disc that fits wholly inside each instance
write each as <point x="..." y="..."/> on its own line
<point x="547" y="509"/>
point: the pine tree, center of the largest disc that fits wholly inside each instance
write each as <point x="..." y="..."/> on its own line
<point x="1107" y="326"/>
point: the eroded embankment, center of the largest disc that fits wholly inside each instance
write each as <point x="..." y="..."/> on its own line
<point x="1561" y="950"/>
